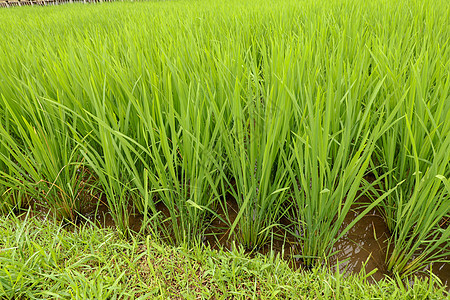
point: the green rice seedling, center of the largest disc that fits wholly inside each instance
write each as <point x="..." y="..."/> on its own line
<point x="7" y="201"/>
<point x="103" y="155"/>
<point x="157" y="142"/>
<point x="43" y="162"/>
<point x="186" y="174"/>
<point x="335" y="129"/>
<point x="418" y="164"/>
<point x="254" y="134"/>
<point x="417" y="238"/>
<point x="180" y="168"/>
<point x="170" y="110"/>
<point x="413" y="154"/>
<point x="328" y="165"/>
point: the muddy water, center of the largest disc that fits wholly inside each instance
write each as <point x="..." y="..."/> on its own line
<point x="101" y="215"/>
<point x="442" y="270"/>
<point x="364" y="245"/>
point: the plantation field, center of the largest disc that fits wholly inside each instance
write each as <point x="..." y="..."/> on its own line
<point x="316" y="126"/>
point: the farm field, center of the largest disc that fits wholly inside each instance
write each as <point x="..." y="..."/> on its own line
<point x="318" y="130"/>
<point x="12" y="3"/>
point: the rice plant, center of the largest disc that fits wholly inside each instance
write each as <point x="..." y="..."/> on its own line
<point x="285" y="107"/>
<point x="44" y="163"/>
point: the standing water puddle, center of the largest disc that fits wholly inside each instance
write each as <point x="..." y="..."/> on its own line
<point x="364" y="245"/>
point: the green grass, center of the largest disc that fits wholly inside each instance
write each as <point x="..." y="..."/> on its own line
<point x="285" y="106"/>
<point x="42" y="260"/>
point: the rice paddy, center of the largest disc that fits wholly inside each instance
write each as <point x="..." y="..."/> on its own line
<point x="247" y="122"/>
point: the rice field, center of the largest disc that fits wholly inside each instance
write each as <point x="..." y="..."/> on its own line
<point x="293" y="113"/>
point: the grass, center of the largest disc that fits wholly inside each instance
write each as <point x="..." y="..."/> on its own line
<point x="41" y="259"/>
<point x="171" y="110"/>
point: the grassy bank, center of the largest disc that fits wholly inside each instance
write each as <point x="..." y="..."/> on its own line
<point x="294" y="112"/>
<point x="42" y="260"/>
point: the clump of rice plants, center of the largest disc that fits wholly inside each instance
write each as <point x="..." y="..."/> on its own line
<point x="413" y="155"/>
<point x="258" y="130"/>
<point x="173" y="111"/>
<point x="42" y="161"/>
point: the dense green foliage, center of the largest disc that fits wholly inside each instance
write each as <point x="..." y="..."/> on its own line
<point x="284" y="105"/>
